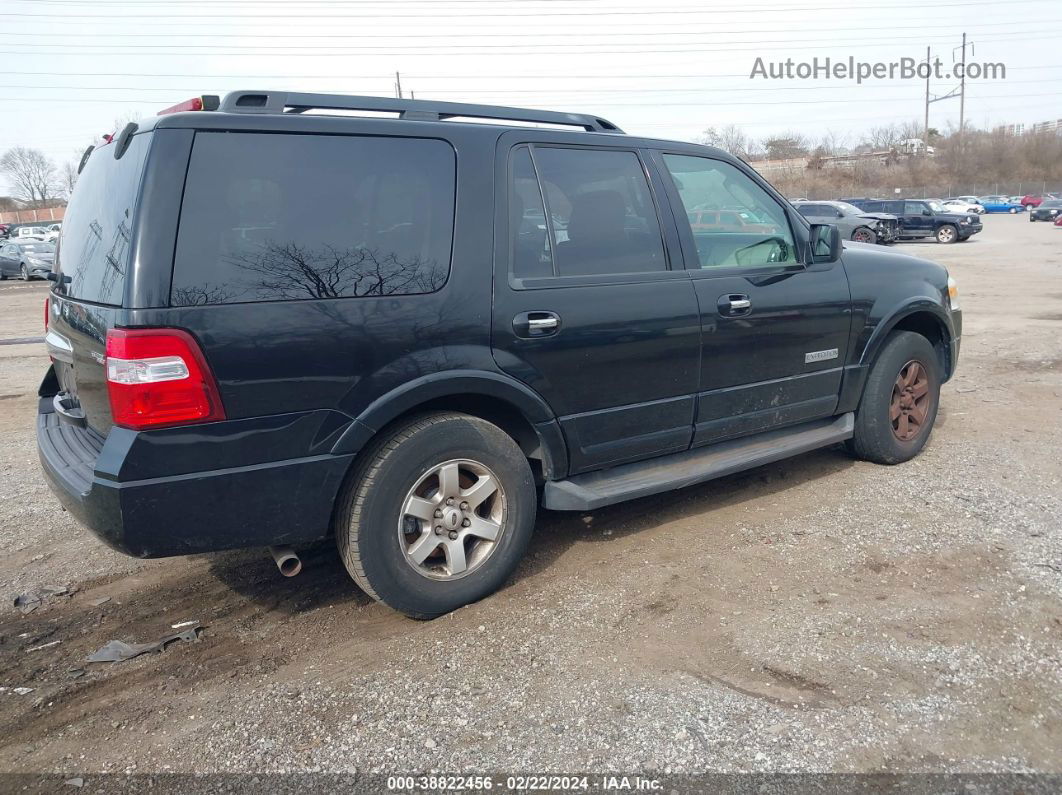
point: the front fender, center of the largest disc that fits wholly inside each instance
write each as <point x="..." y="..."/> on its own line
<point x="892" y="317"/>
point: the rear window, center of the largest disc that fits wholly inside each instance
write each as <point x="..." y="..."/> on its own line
<point x="94" y="249"/>
<point x="280" y="217"/>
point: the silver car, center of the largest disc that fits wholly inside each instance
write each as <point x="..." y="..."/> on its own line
<point x="853" y="223"/>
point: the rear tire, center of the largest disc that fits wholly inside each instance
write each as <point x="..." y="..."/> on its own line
<point x="24" y="274"/>
<point x="388" y="535"/>
<point x="895" y="416"/>
<point x="947" y="234"/>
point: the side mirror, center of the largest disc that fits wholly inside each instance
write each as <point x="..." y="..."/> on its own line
<point x="927" y="213"/>
<point x="825" y="243"/>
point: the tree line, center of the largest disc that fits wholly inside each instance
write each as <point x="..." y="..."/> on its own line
<point x="974" y="161"/>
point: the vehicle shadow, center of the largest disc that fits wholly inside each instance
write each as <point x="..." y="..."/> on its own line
<point x="324" y="581"/>
<point x="556" y="531"/>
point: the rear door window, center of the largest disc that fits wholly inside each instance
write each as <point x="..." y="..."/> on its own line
<point x="602" y="217"/>
<point x="94" y="248"/>
<point x="281" y="217"/>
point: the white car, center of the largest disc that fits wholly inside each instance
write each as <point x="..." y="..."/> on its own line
<point x="961" y="205"/>
<point x="30" y="233"/>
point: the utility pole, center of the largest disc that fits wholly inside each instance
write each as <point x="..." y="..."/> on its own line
<point x="927" y="101"/>
<point x="962" y="89"/>
<point x="398" y="85"/>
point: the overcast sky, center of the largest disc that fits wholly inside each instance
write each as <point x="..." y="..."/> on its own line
<point x="667" y="69"/>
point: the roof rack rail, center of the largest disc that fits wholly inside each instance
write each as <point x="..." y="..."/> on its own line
<point x="412" y="109"/>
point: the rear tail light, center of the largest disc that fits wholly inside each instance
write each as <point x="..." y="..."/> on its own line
<point x="158" y="378"/>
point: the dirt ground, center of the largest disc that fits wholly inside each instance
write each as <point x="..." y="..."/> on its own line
<point x="819" y="614"/>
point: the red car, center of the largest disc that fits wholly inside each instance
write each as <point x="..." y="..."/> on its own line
<point x="1029" y="201"/>
<point x="1058" y="221"/>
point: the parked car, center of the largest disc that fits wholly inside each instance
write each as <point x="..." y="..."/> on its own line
<point x="973" y="201"/>
<point x="736" y="221"/>
<point x="3" y="231"/>
<point x="30" y="233"/>
<point x="1046" y="211"/>
<point x="26" y="259"/>
<point x="1058" y="220"/>
<point x="1030" y="200"/>
<point x="400" y="358"/>
<point x="919" y="218"/>
<point x="1001" y="204"/>
<point x="855" y="224"/>
<point x="962" y="206"/>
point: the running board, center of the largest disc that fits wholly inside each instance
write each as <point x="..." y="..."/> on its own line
<point x="629" y="481"/>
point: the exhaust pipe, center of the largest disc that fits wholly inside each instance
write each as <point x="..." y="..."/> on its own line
<point x="287" y="561"/>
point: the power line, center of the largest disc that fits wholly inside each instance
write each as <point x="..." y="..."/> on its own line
<point x="546" y="91"/>
<point x="441" y="76"/>
<point x="471" y="49"/>
<point x="539" y="13"/>
<point x="636" y="33"/>
<point x="609" y="103"/>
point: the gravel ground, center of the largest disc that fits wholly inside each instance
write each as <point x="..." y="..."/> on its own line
<point x="820" y="614"/>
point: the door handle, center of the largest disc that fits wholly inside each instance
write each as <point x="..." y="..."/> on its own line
<point x="536" y="324"/>
<point x="734" y="305"/>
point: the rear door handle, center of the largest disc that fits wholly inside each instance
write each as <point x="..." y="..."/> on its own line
<point x="734" y="305"/>
<point x="540" y="323"/>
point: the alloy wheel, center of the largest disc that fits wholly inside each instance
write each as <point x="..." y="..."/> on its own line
<point x="910" y="402"/>
<point x="452" y="519"/>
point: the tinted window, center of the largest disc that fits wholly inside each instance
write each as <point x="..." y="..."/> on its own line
<point x="895" y="208"/>
<point x="763" y="238"/>
<point x="288" y="217"/>
<point x="600" y="212"/>
<point x="95" y="244"/>
<point x="914" y="208"/>
<point x="817" y="211"/>
<point x="530" y="252"/>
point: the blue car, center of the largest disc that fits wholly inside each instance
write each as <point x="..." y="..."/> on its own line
<point x="1000" y="204"/>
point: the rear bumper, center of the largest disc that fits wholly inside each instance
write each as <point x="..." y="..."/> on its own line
<point x="268" y="502"/>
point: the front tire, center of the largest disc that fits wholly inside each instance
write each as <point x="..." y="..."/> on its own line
<point x="947" y="234"/>
<point x="1013" y="210"/>
<point x="864" y="235"/>
<point x="900" y="400"/>
<point x="437" y="515"/>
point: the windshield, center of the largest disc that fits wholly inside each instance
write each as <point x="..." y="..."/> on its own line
<point x="39" y="248"/>
<point x="847" y="209"/>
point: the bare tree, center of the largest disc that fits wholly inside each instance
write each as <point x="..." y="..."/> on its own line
<point x="730" y="138"/>
<point x="69" y="178"/>
<point x="31" y="174"/>
<point x="785" y="147"/>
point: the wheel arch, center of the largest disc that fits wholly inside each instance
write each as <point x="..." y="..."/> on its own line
<point x="511" y="405"/>
<point x="925" y="318"/>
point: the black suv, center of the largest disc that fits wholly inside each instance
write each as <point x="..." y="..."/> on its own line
<point x="920" y="218"/>
<point x="270" y="326"/>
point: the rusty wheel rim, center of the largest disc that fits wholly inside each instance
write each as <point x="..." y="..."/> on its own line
<point x="911" y="401"/>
